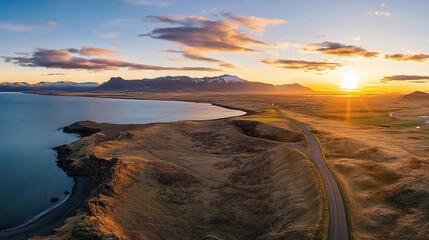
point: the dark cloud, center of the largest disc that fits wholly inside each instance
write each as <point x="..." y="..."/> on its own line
<point x="313" y="66"/>
<point x="189" y="54"/>
<point x="80" y="59"/>
<point x="198" y="36"/>
<point x="408" y="78"/>
<point x="405" y="57"/>
<point x="339" y="49"/>
<point x="202" y="34"/>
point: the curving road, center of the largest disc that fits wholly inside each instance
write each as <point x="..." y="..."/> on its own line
<point x="338" y="221"/>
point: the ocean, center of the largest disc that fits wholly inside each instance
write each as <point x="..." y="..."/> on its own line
<point x="30" y="127"/>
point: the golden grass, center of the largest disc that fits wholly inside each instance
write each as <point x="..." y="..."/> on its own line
<point x="381" y="164"/>
<point x="193" y="180"/>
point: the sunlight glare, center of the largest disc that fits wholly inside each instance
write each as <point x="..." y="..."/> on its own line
<point x="349" y="81"/>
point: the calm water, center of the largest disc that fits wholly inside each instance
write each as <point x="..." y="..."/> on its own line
<point x="29" y="177"/>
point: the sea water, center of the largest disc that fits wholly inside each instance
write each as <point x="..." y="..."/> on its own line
<point x="30" y="128"/>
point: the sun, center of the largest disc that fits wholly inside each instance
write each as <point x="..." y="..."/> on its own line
<point x="349" y="81"/>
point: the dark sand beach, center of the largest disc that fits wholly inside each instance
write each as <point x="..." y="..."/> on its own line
<point x="55" y="218"/>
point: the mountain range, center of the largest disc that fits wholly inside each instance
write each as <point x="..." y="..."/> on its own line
<point x="224" y="83"/>
<point x="47" y="86"/>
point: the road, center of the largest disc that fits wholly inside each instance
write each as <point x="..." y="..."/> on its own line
<point x="338" y="221"/>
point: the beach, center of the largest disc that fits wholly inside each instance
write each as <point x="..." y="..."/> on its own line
<point x="56" y="217"/>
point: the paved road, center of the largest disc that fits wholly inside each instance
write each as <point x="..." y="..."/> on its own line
<point x="338" y="222"/>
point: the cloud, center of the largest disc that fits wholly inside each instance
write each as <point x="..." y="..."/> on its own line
<point x="408" y="57"/>
<point x="92" y="51"/>
<point x="9" y="27"/>
<point x="71" y="58"/>
<point x="383" y="14"/>
<point x="202" y="34"/>
<point x="52" y="23"/>
<point x="55" y="74"/>
<point x="201" y="57"/>
<point x="38" y="28"/>
<point x="307" y="66"/>
<point x="22" y="53"/>
<point x="408" y="78"/>
<point x="146" y="2"/>
<point x="339" y="49"/>
<point x="356" y="38"/>
<point x="256" y="24"/>
<point x="192" y="55"/>
<point x="321" y="36"/>
<point x="197" y="35"/>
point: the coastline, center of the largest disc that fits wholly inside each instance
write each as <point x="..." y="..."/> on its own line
<point x="55" y="218"/>
<point x="247" y="111"/>
<point x="44" y="223"/>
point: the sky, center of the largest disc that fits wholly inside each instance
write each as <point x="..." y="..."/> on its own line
<point x="368" y="46"/>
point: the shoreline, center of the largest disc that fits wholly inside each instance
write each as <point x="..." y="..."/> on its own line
<point x="247" y="112"/>
<point x="54" y="218"/>
<point x="44" y="223"/>
<point x="40" y="215"/>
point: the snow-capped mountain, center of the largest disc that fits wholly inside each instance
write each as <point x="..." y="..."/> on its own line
<point x="224" y="78"/>
<point x="59" y="86"/>
<point x="223" y="83"/>
<point x="217" y="79"/>
<point x="62" y="84"/>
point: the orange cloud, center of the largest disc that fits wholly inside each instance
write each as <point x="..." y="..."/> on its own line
<point x="193" y="55"/>
<point x="409" y="78"/>
<point x="405" y="57"/>
<point x="257" y="24"/>
<point x="198" y="35"/>
<point x="92" y="51"/>
<point x="202" y="34"/>
<point x="72" y="58"/>
<point x="339" y="49"/>
<point x="313" y="66"/>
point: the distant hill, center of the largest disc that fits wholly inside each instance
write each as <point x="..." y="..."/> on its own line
<point x="47" y="86"/>
<point x="217" y="84"/>
<point x="416" y="96"/>
<point x="223" y="83"/>
<point x="294" y="88"/>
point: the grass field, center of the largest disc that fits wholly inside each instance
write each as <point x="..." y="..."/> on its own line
<point x="380" y="162"/>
